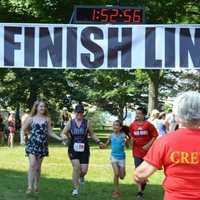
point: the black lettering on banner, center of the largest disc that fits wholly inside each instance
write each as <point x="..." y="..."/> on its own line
<point x="10" y="45"/>
<point x="170" y="47"/>
<point x="53" y="47"/>
<point x="71" y="47"/>
<point x="150" y="49"/>
<point x="29" y="46"/>
<point x="188" y="46"/>
<point x="92" y="47"/>
<point x="114" y="46"/>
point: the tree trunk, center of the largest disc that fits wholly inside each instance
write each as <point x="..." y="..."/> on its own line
<point x="33" y="92"/>
<point x="121" y="114"/>
<point x="154" y="80"/>
<point x="126" y="113"/>
<point x="17" y="117"/>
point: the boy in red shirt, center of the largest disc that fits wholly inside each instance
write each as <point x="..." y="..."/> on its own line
<point x="143" y="134"/>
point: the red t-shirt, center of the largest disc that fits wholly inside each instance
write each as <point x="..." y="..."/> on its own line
<point x="142" y="134"/>
<point x="179" y="154"/>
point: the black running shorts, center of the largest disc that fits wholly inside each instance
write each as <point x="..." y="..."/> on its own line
<point x="83" y="157"/>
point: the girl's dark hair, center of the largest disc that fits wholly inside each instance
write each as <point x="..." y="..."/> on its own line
<point x="125" y="129"/>
<point x="119" y="122"/>
<point x="162" y="114"/>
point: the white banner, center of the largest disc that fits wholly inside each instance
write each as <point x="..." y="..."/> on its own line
<point x="60" y="46"/>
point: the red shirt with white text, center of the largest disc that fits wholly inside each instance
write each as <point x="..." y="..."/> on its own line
<point x="141" y="133"/>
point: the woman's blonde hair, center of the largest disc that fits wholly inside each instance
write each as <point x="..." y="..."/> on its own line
<point x="35" y="107"/>
<point x="154" y="114"/>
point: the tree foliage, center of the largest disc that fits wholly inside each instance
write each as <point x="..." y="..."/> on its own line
<point x="110" y="90"/>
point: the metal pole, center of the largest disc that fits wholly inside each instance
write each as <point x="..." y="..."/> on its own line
<point x="72" y="17"/>
<point x="118" y="2"/>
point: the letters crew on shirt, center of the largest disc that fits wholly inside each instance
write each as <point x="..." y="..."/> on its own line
<point x="181" y="157"/>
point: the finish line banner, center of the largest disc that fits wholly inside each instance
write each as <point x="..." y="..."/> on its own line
<point x="60" y="46"/>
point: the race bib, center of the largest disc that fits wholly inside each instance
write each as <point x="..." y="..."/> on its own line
<point x="79" y="147"/>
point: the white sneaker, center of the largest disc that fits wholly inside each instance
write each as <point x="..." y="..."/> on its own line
<point x="75" y="192"/>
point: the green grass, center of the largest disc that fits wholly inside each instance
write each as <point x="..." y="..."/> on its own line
<point x="56" y="177"/>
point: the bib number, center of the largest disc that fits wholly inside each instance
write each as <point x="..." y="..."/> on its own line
<point x="79" y="147"/>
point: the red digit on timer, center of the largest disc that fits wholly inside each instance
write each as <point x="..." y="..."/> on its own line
<point x="137" y="16"/>
<point x="94" y="15"/>
<point x="127" y="16"/>
<point x="115" y="13"/>
<point x="104" y="15"/>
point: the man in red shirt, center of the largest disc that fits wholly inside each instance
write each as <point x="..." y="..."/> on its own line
<point x="178" y="153"/>
<point x="143" y="134"/>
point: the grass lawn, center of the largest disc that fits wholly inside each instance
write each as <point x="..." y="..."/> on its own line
<point x="56" y="177"/>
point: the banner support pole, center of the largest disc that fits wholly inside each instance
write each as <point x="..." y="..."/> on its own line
<point x="118" y="2"/>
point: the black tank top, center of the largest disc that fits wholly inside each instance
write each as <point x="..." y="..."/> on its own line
<point x="79" y="134"/>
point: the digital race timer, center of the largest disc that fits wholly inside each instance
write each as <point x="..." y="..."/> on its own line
<point x="109" y="14"/>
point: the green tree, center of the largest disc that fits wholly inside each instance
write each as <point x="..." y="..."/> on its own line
<point x="189" y="80"/>
<point x="20" y="88"/>
<point x="110" y="90"/>
<point x="59" y="11"/>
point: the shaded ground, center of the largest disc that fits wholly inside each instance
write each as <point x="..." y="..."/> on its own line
<point x="56" y="175"/>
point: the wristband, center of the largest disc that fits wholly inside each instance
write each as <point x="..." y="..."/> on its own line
<point x="98" y="142"/>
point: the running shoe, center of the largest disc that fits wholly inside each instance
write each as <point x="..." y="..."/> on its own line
<point x="36" y="190"/>
<point x="29" y="191"/>
<point x="116" y="194"/>
<point x="75" y="192"/>
<point x="140" y="195"/>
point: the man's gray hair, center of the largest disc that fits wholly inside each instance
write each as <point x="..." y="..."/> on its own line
<point x="187" y="107"/>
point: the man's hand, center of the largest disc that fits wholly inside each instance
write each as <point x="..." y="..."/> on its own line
<point x="139" y="180"/>
<point x="132" y="141"/>
<point x="145" y="147"/>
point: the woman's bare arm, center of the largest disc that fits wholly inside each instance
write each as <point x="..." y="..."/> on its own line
<point x="143" y="172"/>
<point x="94" y="136"/>
<point x="65" y="132"/>
<point x="108" y="141"/>
<point x="50" y="132"/>
<point x="26" y="124"/>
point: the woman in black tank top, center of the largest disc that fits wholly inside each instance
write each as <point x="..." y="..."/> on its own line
<point x="77" y="131"/>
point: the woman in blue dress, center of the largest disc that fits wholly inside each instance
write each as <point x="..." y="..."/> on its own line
<point x="37" y="128"/>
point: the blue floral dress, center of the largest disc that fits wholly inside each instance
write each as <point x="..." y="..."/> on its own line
<point x="38" y="142"/>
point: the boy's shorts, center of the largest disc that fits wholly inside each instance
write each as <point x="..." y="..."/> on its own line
<point x="137" y="161"/>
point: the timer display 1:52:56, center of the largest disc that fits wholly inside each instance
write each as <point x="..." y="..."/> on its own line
<point x="117" y="15"/>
